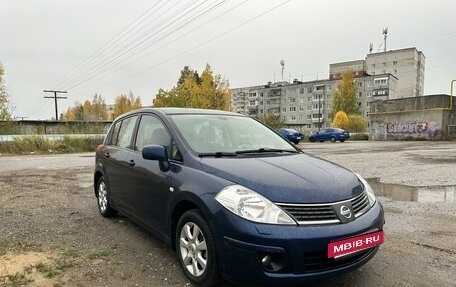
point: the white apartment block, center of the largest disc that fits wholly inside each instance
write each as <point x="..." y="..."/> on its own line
<point x="305" y="106"/>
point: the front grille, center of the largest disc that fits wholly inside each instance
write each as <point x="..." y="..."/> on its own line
<point x="324" y="213"/>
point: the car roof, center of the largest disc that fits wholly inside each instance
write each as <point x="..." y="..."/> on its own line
<point x="177" y="111"/>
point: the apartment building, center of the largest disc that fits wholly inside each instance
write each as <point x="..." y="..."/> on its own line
<point x="305" y="106"/>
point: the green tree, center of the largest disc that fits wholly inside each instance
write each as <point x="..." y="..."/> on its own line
<point x="340" y="120"/>
<point x="5" y="108"/>
<point x="356" y="124"/>
<point x="271" y="120"/>
<point x="207" y="91"/>
<point x="186" y="72"/>
<point x="344" y="97"/>
<point x="126" y="103"/>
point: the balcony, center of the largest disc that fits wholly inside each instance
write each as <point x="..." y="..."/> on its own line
<point x="318" y="120"/>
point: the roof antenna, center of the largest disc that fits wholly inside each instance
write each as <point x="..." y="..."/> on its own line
<point x="385" y="34"/>
<point x="282" y="63"/>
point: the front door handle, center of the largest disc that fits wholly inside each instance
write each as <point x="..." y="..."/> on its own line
<point x="107" y="155"/>
<point x="131" y="163"/>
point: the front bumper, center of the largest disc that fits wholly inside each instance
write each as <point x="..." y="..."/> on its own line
<point x="302" y="250"/>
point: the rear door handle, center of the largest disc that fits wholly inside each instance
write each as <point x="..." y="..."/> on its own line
<point x="131" y="163"/>
<point x="107" y="155"/>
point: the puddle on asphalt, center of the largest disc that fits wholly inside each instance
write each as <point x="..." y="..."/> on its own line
<point x="398" y="192"/>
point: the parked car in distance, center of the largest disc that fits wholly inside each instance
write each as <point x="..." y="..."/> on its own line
<point x="290" y="134"/>
<point x="331" y="134"/>
<point x="234" y="199"/>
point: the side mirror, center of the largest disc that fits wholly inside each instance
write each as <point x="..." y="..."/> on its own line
<point x="157" y="152"/>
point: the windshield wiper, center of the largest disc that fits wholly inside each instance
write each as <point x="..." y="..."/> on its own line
<point x="217" y="154"/>
<point x="263" y="150"/>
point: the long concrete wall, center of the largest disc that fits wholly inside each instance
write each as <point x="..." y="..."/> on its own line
<point x="427" y="118"/>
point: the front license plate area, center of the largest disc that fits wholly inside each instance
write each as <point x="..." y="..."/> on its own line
<point x="348" y="246"/>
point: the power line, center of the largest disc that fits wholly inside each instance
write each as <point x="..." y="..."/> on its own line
<point x="111" y="42"/>
<point x="174" y="40"/>
<point x="197" y="46"/>
<point x="144" y="45"/>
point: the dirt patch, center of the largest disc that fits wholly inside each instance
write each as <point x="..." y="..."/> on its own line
<point x="22" y="267"/>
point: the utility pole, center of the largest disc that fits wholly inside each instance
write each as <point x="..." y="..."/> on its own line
<point x="55" y="100"/>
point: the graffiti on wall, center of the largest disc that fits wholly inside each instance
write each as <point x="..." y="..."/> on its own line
<point x="422" y="128"/>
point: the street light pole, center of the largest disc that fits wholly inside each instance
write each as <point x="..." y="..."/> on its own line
<point x="319" y="112"/>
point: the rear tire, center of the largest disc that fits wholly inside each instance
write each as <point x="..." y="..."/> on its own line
<point x="342" y="141"/>
<point x="312" y="140"/>
<point x="103" y="200"/>
<point x="333" y="139"/>
<point x="195" y="248"/>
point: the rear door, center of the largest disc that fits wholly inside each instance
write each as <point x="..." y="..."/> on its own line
<point x="117" y="159"/>
<point x="148" y="185"/>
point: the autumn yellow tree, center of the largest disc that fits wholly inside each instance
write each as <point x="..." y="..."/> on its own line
<point x="344" y="97"/>
<point x="207" y="91"/>
<point x="87" y="111"/>
<point x="126" y="103"/>
<point x="340" y="120"/>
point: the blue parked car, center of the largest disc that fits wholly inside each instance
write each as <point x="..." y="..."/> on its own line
<point x="331" y="134"/>
<point x="290" y="134"/>
<point x="235" y="200"/>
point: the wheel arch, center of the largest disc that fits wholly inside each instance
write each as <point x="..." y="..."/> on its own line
<point x="186" y="202"/>
<point x="98" y="174"/>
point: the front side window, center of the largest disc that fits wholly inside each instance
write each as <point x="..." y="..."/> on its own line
<point x="126" y="132"/>
<point x="151" y="131"/>
<point x="224" y="133"/>
<point x="115" y="133"/>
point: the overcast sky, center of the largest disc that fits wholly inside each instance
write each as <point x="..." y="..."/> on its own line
<point x="79" y="45"/>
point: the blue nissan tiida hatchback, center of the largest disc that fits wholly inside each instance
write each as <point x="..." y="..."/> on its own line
<point x="235" y="200"/>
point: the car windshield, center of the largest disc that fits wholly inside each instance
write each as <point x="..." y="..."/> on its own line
<point x="222" y="135"/>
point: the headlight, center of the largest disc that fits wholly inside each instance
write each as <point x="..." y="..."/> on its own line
<point x="250" y="205"/>
<point x="368" y="189"/>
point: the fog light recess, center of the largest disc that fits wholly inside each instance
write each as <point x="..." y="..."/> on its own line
<point x="273" y="262"/>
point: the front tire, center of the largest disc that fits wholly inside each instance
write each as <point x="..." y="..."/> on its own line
<point x="196" y="249"/>
<point x="333" y="139"/>
<point x="103" y="200"/>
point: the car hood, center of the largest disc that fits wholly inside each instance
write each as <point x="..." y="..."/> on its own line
<point x="296" y="178"/>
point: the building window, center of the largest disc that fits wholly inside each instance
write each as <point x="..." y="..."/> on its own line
<point x="293" y="118"/>
<point x="261" y="95"/>
<point x="328" y="97"/>
<point x="394" y="63"/>
<point x="316" y="116"/>
<point x="284" y="101"/>
<point x="316" y="97"/>
<point x="268" y="102"/>
<point x="360" y="84"/>
<point x="384" y="64"/>
<point x="328" y="107"/>
<point x="309" y="89"/>
<point x="261" y="111"/>
<point x="329" y="87"/>
<point x="367" y="104"/>
<point x="284" y="110"/>
<point x="261" y="102"/>
<point x="395" y="71"/>
<point x="373" y="65"/>
<point x="309" y="117"/>
<point x="360" y="104"/>
<point x="252" y="103"/>
<point x="292" y="109"/>
<point x="308" y="99"/>
<point x="292" y="100"/>
<point x="301" y="90"/>
<point x="309" y="108"/>
<point x="301" y="100"/>
<point x="301" y="108"/>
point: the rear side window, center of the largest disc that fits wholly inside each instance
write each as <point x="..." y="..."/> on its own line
<point x="126" y="132"/>
<point x="114" y="133"/>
